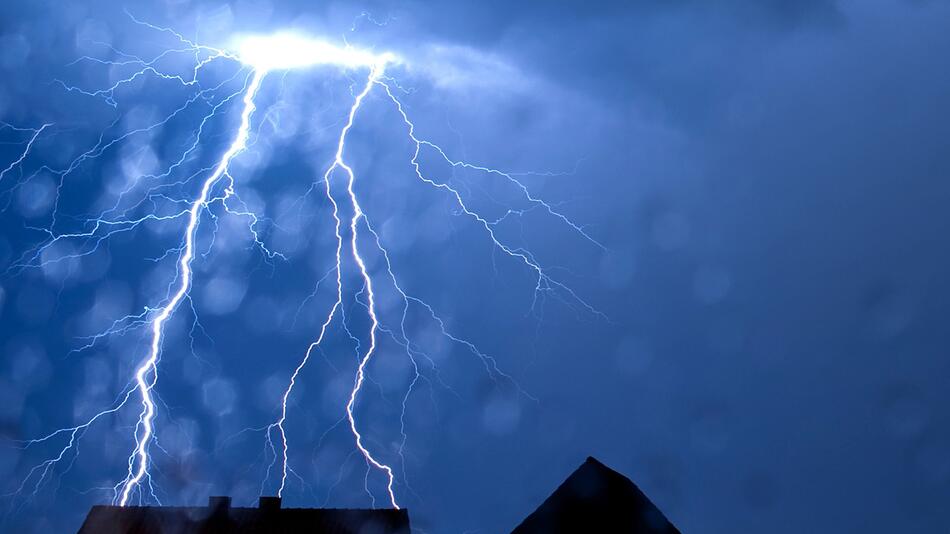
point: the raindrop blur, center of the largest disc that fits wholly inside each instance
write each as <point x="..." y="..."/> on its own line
<point x="35" y="197"/>
<point x="905" y="414"/>
<point x="617" y="269"/>
<point x="670" y="230"/>
<point x="219" y="396"/>
<point x="14" y="50"/>
<point x="932" y="459"/>
<point x="760" y="491"/>
<point x="501" y="415"/>
<point x="711" y="284"/>
<point x="35" y="303"/>
<point x="223" y="295"/>
<point x="889" y="310"/>
<point x="633" y="356"/>
<point x="708" y="432"/>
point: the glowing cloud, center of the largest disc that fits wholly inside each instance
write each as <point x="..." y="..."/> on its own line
<point x="284" y="51"/>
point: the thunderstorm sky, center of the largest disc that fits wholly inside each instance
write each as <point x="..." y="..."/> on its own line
<point x="746" y="209"/>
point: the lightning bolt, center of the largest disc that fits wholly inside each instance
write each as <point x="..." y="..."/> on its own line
<point x="545" y="283"/>
<point x="163" y="203"/>
<point x="147" y="373"/>
<point x="368" y="284"/>
<point x="103" y="228"/>
<point x="338" y="163"/>
<point x="26" y="150"/>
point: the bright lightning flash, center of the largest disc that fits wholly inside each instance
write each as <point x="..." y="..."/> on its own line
<point x="284" y="51"/>
<point x="258" y="55"/>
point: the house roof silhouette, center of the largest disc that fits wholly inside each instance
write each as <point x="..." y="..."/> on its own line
<point x="595" y="498"/>
<point x="220" y="518"/>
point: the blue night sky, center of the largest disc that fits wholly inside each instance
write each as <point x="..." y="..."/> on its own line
<point x="760" y="343"/>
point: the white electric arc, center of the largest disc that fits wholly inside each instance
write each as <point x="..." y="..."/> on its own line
<point x="258" y="56"/>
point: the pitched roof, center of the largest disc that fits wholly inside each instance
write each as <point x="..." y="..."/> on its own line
<point x="220" y="517"/>
<point x="595" y="498"/>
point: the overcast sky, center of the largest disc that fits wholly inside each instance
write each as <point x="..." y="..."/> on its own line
<point x="768" y="179"/>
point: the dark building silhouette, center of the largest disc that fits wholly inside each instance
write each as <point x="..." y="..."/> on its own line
<point x="595" y="498"/>
<point x="220" y="518"/>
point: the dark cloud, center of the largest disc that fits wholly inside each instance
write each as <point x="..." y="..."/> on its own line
<point x="770" y="178"/>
